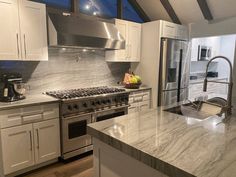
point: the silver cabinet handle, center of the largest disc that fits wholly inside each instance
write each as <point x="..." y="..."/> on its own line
<point x="25" y="47"/>
<point x="37" y="132"/>
<point x="31" y="142"/>
<point x="18" y="48"/>
<point x="130" y="50"/>
<point x="127" y="51"/>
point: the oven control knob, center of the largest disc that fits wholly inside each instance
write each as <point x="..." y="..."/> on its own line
<point x="98" y="102"/>
<point x="93" y="103"/>
<point x="76" y="106"/>
<point x="85" y="105"/>
<point x="109" y="101"/>
<point x="69" y="107"/>
<point x="104" y="102"/>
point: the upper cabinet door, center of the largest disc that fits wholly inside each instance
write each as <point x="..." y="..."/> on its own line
<point x="10" y="48"/>
<point x="122" y="26"/>
<point x="47" y="140"/>
<point x="17" y="148"/>
<point x="33" y="30"/>
<point x="134" y="46"/>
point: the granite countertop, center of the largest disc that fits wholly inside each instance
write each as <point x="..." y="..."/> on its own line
<point x="142" y="88"/>
<point x="33" y="99"/>
<point x="201" y="80"/>
<point x="176" y="145"/>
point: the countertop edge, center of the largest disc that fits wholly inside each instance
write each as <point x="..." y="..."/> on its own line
<point x="12" y="106"/>
<point x="143" y="157"/>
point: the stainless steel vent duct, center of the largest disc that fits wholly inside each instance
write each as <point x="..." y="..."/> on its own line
<point x="72" y="31"/>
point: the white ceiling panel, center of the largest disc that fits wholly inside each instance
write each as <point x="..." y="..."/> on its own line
<point x="222" y="8"/>
<point x="188" y="11"/>
<point x="154" y="9"/>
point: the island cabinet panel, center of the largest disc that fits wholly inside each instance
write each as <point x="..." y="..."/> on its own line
<point x="109" y="162"/>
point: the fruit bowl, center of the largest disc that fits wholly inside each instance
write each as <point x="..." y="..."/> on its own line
<point x="133" y="86"/>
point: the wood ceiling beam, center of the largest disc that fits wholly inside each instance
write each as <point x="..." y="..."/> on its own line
<point x="205" y="9"/>
<point x="166" y="4"/>
<point x="120" y="9"/>
<point x="139" y="10"/>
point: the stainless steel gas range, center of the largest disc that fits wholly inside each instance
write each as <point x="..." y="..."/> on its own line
<point x="80" y="107"/>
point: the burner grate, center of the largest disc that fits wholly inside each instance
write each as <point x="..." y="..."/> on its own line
<point x="83" y="92"/>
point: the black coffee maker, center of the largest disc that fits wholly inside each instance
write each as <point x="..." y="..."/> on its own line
<point x="11" y="87"/>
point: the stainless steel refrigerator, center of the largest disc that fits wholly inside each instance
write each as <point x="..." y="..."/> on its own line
<point x="174" y="72"/>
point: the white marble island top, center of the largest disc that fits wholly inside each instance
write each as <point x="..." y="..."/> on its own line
<point x="175" y="145"/>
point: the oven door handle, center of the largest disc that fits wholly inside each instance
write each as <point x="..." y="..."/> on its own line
<point x="111" y="109"/>
<point x="80" y="117"/>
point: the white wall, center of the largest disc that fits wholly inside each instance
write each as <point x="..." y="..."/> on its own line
<point x="214" y="28"/>
<point x="227" y="49"/>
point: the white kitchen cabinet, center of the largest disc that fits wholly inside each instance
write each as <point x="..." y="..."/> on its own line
<point x="175" y="31"/>
<point x="24" y="27"/>
<point x="46" y="140"/>
<point x="33" y="30"/>
<point x="139" y="101"/>
<point x="196" y="89"/>
<point x="132" y="33"/>
<point x="30" y="136"/>
<point x="9" y="31"/>
<point x="17" y="148"/>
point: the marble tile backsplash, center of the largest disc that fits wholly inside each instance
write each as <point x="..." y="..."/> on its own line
<point x="67" y="68"/>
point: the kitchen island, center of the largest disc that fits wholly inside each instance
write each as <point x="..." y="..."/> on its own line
<point x="156" y="143"/>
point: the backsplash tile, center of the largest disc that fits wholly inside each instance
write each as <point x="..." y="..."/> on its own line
<point x="67" y="68"/>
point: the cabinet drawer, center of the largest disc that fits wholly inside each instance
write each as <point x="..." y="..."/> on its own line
<point x="146" y="96"/>
<point x="30" y="114"/>
<point x="145" y="105"/>
<point x="50" y="111"/>
<point x="9" y="118"/>
<point x="133" y="108"/>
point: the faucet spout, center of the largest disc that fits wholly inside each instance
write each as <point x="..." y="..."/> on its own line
<point x="228" y="108"/>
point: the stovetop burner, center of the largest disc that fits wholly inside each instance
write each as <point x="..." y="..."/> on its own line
<point x="83" y="92"/>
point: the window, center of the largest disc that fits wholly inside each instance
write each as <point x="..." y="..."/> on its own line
<point x="129" y="12"/>
<point x="62" y="4"/>
<point x="108" y="9"/>
<point x="101" y="8"/>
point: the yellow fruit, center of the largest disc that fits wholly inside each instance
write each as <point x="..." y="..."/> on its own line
<point x="138" y="78"/>
<point x="134" y="80"/>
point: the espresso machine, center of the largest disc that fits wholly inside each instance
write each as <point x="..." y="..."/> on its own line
<point x="11" y="87"/>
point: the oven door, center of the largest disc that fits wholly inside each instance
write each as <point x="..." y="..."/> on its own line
<point x="111" y="113"/>
<point x="74" y="132"/>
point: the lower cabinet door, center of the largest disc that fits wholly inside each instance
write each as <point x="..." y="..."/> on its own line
<point x="17" y="148"/>
<point x="47" y="140"/>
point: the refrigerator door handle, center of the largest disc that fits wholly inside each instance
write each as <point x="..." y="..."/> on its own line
<point x="162" y="70"/>
<point x="180" y="74"/>
<point x="164" y="64"/>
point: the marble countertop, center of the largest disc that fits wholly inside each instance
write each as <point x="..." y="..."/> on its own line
<point x="30" y="100"/>
<point x="201" y="80"/>
<point x="176" y="145"/>
<point x="135" y="90"/>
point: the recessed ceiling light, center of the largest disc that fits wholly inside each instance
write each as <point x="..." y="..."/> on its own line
<point x="94" y="13"/>
<point x="87" y="7"/>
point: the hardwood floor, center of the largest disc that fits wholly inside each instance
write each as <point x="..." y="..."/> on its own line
<point x="79" y="168"/>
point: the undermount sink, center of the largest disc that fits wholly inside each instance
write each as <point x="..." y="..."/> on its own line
<point x="197" y="110"/>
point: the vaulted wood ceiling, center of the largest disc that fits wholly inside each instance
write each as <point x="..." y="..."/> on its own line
<point x="188" y="11"/>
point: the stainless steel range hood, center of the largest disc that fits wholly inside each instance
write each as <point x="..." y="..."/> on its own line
<point x="72" y="31"/>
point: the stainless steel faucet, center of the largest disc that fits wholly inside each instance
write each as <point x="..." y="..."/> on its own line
<point x="228" y="108"/>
